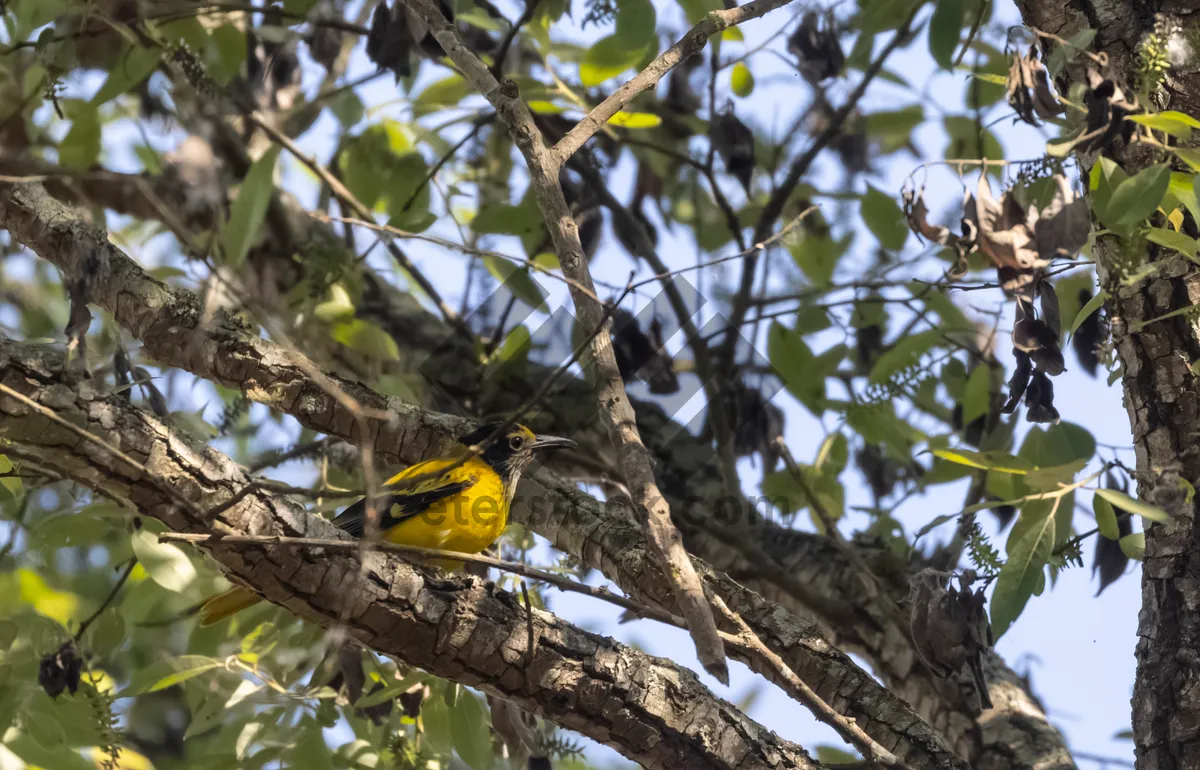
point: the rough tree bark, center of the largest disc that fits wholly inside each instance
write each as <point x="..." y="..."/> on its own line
<point x="1162" y="397"/>
<point x="462" y="628"/>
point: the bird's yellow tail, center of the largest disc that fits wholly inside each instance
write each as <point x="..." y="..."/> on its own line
<point x="223" y="605"/>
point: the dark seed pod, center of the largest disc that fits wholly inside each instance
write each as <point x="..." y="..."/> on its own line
<point x="816" y="48"/>
<point x="1088" y="337"/>
<point x="1110" y="561"/>
<point x="1040" y="399"/>
<point x="389" y="44"/>
<point x="60" y="670"/>
<point x="641" y="356"/>
<point x="1019" y="381"/>
<point x="734" y="142"/>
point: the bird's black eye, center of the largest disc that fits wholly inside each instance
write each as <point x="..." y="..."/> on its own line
<point x="516" y="442"/>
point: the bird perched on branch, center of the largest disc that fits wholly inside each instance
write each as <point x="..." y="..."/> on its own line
<point x="458" y="502"/>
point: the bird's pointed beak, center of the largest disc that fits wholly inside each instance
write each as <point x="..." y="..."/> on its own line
<point x="553" y="442"/>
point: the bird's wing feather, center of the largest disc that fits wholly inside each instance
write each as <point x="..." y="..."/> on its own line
<point x="398" y="506"/>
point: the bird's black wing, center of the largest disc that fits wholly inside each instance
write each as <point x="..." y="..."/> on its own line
<point x="395" y="508"/>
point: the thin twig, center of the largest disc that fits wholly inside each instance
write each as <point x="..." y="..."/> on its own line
<point x="83" y="627"/>
<point x="690" y="44"/>
<point x="847" y="728"/>
<point x="502" y="50"/>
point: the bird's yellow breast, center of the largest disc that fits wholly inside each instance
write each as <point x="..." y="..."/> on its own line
<point x="467" y="521"/>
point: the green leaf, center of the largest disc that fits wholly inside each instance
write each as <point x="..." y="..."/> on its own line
<point x="347" y="107"/>
<point x="696" y="9"/>
<point x="229" y="44"/>
<point x="884" y="219"/>
<point x="1189" y="156"/>
<point x="904" y="353"/>
<point x="607" y="58"/>
<point x="366" y="337"/>
<point x="1029" y="547"/>
<point x="1182" y="186"/>
<point x="793" y="359"/>
<point x="1092" y="306"/>
<point x="247" y="737"/>
<point x="945" y="28"/>
<point x="107" y="633"/>
<point x="299" y="7"/>
<point x="249" y="209"/>
<point x="338" y="307"/>
<point x="1056" y="445"/>
<point x="1063" y="54"/>
<point x="8" y="633"/>
<point x="47" y="733"/>
<point x="435" y="718"/>
<point x="446" y="92"/>
<point x="1050" y="478"/>
<point x="166" y="564"/>
<point x="966" y="141"/>
<point x="636" y="24"/>
<point x="831" y="756"/>
<point x="999" y="462"/>
<point x="741" y="80"/>
<point x="635" y="120"/>
<point x="881" y="15"/>
<point x="469" y="730"/>
<point x="1134" y="546"/>
<point x="513" y="354"/>
<point x="818" y="255"/>
<point x="80" y="148"/>
<point x="1173" y="240"/>
<point x="1137" y="198"/>
<point x="1106" y="518"/>
<point x="133" y="65"/>
<point x="1133" y="505"/>
<point x="517" y="280"/>
<point x="505" y="219"/>
<point x="894" y="123"/>
<point x="1161" y="121"/>
<point x="165" y="673"/>
<point x="977" y="396"/>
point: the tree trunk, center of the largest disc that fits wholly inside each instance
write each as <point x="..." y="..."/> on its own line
<point x="1162" y="397"/>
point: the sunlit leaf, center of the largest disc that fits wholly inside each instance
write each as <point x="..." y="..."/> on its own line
<point x="741" y="80"/>
<point x="945" y="28"/>
<point x="1106" y="518"/>
<point x="625" y="119"/>
<point x="884" y="219"/>
<point x="1029" y="547"/>
<point x="1133" y="505"/>
<point x="166" y="564"/>
<point x="249" y="209"/>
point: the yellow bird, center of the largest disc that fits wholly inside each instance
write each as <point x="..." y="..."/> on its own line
<point x="463" y="510"/>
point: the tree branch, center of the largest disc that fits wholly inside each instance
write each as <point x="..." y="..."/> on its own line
<point x="460" y="628"/>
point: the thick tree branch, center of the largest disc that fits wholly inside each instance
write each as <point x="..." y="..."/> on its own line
<point x="635" y="461"/>
<point x="462" y="628"/>
<point x="606" y="537"/>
